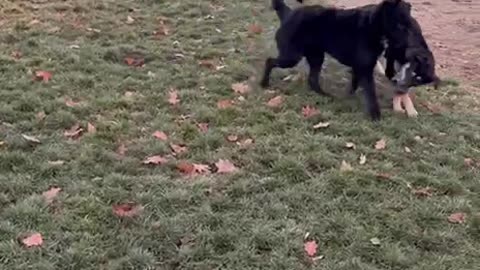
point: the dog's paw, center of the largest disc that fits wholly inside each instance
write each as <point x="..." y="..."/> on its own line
<point x="412" y="113"/>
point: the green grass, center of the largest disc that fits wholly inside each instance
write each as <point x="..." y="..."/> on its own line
<point x="289" y="181"/>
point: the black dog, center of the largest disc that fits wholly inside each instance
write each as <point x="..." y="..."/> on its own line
<point x="417" y="54"/>
<point x="352" y="36"/>
<point x="416" y="61"/>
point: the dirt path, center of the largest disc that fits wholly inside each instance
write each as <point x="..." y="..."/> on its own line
<point x="452" y="29"/>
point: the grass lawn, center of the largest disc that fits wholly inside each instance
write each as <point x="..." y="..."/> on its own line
<point x="114" y="65"/>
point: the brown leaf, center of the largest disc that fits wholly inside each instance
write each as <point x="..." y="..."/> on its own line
<point x="225" y="166"/>
<point x="33" y="240"/>
<point x="31" y="138"/>
<point x="51" y="194"/>
<point x="225" y="103"/>
<point x="245" y="143"/>
<point x="203" y="127"/>
<point x="469" y="162"/>
<point x="162" y="30"/>
<point x="423" y="192"/>
<point x="127" y="209"/>
<point x="192" y="169"/>
<point x="91" y="129"/>
<point x="74" y="132"/>
<point x="275" y="102"/>
<point x="381" y="144"/>
<point x="241" y="88"/>
<point x="457" y="218"/>
<point x="309" y="111"/>
<point x="160" y="135"/>
<point x="134" y="61"/>
<point x="173" y="97"/>
<point x="345" y="167"/>
<point x="70" y="103"/>
<point x="384" y="176"/>
<point x="255" y="29"/>
<point x="42" y="75"/>
<point x="321" y="125"/>
<point x="232" y="138"/>
<point x="208" y="63"/>
<point x="408" y="150"/>
<point x="350" y="145"/>
<point x="310" y="248"/>
<point x="178" y="149"/>
<point x="155" y="160"/>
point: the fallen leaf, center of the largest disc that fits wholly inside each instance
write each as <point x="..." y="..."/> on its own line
<point x="56" y="162"/>
<point x="127" y="209"/>
<point x="275" y="102"/>
<point x="350" y="145"/>
<point x="408" y="150"/>
<point x="310" y="248"/>
<point x="245" y="143"/>
<point x="457" y="218"/>
<point x="241" y="88"/>
<point x="51" y="194"/>
<point x="134" y="61"/>
<point x="363" y="159"/>
<point x="309" y="111"/>
<point x="225" y="103"/>
<point x="130" y="20"/>
<point x="345" y="167"/>
<point x="225" y="166"/>
<point x="178" y="149"/>
<point x="383" y="176"/>
<point x="423" y="192"/>
<point x="162" y="30"/>
<point x="173" y="97"/>
<point x="2" y="143"/>
<point x="31" y="139"/>
<point x="42" y="75"/>
<point x="160" y="135"/>
<point x="129" y="94"/>
<point x="155" y="160"/>
<point x="255" y="29"/>
<point x="381" y="144"/>
<point x="40" y="116"/>
<point x="203" y="127"/>
<point x="375" y="241"/>
<point x="91" y="128"/>
<point x="33" y="240"/>
<point x="232" y="138"/>
<point x="192" y="169"/>
<point x="74" y="132"/>
<point x="321" y="125"/>
<point x="70" y="103"/>
<point x="208" y="63"/>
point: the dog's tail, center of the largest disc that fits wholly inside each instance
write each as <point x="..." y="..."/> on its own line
<point x="282" y="9"/>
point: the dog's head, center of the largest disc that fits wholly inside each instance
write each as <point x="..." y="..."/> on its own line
<point x="396" y="20"/>
<point x="422" y="67"/>
<point x="419" y="70"/>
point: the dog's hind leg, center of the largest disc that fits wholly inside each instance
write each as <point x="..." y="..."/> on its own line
<point x="367" y="82"/>
<point x="315" y="62"/>
<point x="281" y="62"/>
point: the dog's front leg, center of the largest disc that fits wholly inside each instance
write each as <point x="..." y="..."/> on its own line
<point x="368" y="84"/>
<point x="315" y="62"/>
<point x="270" y="63"/>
